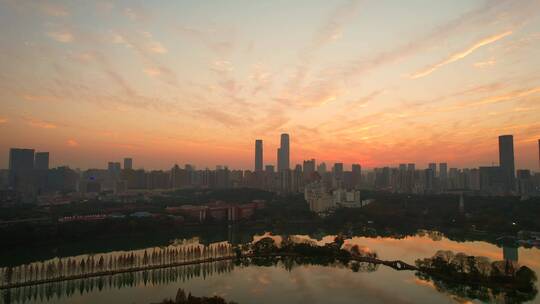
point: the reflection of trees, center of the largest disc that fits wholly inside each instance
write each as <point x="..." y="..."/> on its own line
<point x="66" y="289"/>
<point x="58" y="269"/>
<point x="482" y="293"/>
<point x="479" y="278"/>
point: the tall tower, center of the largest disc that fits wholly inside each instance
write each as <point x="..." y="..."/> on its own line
<point x="41" y="161"/>
<point x="506" y="159"/>
<point x="258" y="155"/>
<point x="284" y="153"/>
<point x="128" y="163"/>
<point x="21" y="165"/>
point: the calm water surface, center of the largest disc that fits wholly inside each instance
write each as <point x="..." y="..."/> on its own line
<point x="283" y="283"/>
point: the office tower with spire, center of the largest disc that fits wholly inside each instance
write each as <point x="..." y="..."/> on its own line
<point x="506" y="160"/>
<point x="258" y="155"/>
<point x="283" y="153"/>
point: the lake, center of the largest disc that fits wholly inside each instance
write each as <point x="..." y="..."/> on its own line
<point x="282" y="282"/>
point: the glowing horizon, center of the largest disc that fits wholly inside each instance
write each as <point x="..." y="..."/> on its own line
<point x="368" y="82"/>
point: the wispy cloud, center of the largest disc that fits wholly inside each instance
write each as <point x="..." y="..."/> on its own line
<point x="162" y="73"/>
<point x="364" y="100"/>
<point x="501" y="98"/>
<point x="40" y="123"/>
<point x="332" y="28"/>
<point x="483" y="64"/>
<point x="39" y="98"/>
<point x="225" y="118"/>
<point x="460" y="55"/>
<point x="54" y="9"/>
<point x="72" y="143"/>
<point x="220" y="41"/>
<point x="63" y="36"/>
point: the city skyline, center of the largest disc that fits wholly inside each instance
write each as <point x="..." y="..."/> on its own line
<point x="351" y="81"/>
<point x="506" y="161"/>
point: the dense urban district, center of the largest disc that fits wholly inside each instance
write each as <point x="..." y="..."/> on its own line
<point x="42" y="204"/>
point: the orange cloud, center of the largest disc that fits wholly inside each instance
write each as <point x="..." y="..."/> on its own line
<point x="39" y="98"/>
<point x="501" y="98"/>
<point x="41" y="124"/>
<point x="3" y="120"/>
<point x="460" y="55"/>
<point x="72" y="143"/>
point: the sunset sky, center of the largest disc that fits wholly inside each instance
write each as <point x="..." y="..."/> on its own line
<point x="370" y="82"/>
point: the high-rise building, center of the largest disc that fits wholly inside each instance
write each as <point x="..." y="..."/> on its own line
<point x="443" y="170"/>
<point x="309" y="169"/>
<point x="356" y="175"/>
<point x="539" y="153"/>
<point x="21" y="159"/>
<point x="338" y="171"/>
<point x="443" y="176"/>
<point x="433" y="167"/>
<point x="321" y="169"/>
<point x="114" y="170"/>
<point x="21" y="164"/>
<point x="411" y="167"/>
<point x="41" y="161"/>
<point x="258" y="155"/>
<point x="283" y="153"/>
<point x="269" y="169"/>
<point x="128" y="163"/>
<point x="506" y="160"/>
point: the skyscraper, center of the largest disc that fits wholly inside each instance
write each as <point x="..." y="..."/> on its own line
<point x="443" y="170"/>
<point x="284" y="153"/>
<point x="506" y="159"/>
<point x="41" y="161"/>
<point x="258" y="155"/>
<point x="356" y="175"/>
<point x="433" y="167"/>
<point x="21" y="159"/>
<point x="128" y="163"/>
<point x="338" y="171"/>
<point x="21" y="164"/>
<point x="309" y="168"/>
<point x="113" y="169"/>
<point x="443" y="176"/>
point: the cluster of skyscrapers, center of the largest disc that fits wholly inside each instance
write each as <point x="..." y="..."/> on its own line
<point x="494" y="180"/>
<point x="29" y="176"/>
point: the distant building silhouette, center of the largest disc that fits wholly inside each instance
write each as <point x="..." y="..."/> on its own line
<point x="356" y="175"/>
<point x="283" y="154"/>
<point x="114" y="170"/>
<point x="258" y="155"/>
<point x="128" y="163"/>
<point x="21" y="165"/>
<point x="506" y="160"/>
<point x="433" y="167"/>
<point x="41" y="161"/>
<point x="309" y="167"/>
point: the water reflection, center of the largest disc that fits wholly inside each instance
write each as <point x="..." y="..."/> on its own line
<point x="406" y="248"/>
<point x="476" y="292"/>
<point x="66" y="289"/>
